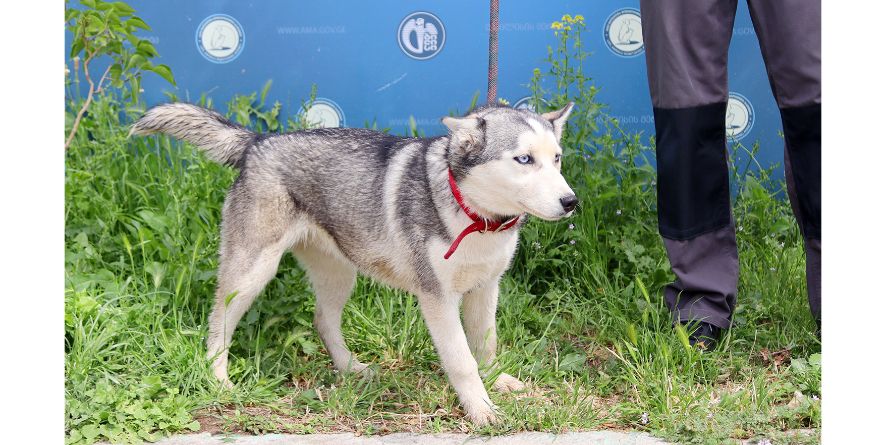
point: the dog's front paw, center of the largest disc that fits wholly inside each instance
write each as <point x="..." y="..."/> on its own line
<point x="363" y="370"/>
<point x="483" y="417"/>
<point x="358" y="369"/>
<point x="482" y="413"/>
<point x="508" y="383"/>
<point x="225" y="383"/>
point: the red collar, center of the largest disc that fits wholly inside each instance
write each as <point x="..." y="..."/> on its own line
<point x="480" y="224"/>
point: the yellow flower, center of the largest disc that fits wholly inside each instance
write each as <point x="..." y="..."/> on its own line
<point x="566" y="18"/>
<point x="556" y="25"/>
<point x="579" y="18"/>
<point x="567" y="27"/>
<point x="503" y="101"/>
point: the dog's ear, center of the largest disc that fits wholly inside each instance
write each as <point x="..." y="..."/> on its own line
<point x="558" y="118"/>
<point x="467" y="132"/>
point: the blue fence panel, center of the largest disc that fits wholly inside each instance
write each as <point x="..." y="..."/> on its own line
<point x="384" y="61"/>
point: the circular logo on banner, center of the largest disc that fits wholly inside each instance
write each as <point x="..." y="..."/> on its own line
<point x="739" y="116"/>
<point x="623" y="33"/>
<point x="324" y="113"/>
<point x="421" y="35"/>
<point x="525" y="103"/>
<point x="220" y="38"/>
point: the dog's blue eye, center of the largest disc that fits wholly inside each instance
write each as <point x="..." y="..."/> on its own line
<point x="524" y="159"/>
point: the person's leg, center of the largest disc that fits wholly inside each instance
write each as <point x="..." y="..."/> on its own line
<point x="687" y="45"/>
<point x="813" y="247"/>
<point x="790" y="38"/>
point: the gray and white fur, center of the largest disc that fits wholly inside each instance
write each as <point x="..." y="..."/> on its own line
<point x="347" y="200"/>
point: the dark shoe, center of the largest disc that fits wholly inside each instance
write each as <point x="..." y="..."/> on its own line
<point x="705" y="335"/>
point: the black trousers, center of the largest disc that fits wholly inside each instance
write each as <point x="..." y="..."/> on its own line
<point x="687" y="44"/>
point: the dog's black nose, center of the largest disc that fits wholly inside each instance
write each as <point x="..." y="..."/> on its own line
<point x="569" y="203"/>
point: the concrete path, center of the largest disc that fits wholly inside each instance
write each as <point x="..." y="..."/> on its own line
<point x="529" y="438"/>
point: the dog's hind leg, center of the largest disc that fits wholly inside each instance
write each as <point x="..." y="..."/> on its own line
<point x="332" y="280"/>
<point x="241" y="279"/>
<point x="253" y="241"/>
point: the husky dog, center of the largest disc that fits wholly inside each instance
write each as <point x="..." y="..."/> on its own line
<point x="437" y="217"/>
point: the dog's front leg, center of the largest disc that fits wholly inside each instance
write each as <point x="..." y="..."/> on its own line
<point x="479" y="314"/>
<point x="441" y="315"/>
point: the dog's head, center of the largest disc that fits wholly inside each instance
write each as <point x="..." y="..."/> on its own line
<point x="507" y="161"/>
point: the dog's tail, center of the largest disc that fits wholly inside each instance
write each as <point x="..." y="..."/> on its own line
<point x="222" y="140"/>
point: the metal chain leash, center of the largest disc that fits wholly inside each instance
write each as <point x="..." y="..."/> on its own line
<point x="491" y="90"/>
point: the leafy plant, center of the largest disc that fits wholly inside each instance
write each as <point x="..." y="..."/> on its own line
<point x="566" y="62"/>
<point x="130" y="414"/>
<point x="107" y="29"/>
<point x="245" y="110"/>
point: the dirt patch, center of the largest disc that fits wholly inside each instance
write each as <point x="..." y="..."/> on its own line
<point x="779" y="358"/>
<point x="289" y="415"/>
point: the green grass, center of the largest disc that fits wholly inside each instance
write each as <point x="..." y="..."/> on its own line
<point x="583" y="322"/>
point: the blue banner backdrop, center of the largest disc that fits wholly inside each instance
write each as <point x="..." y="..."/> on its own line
<point x="387" y="60"/>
